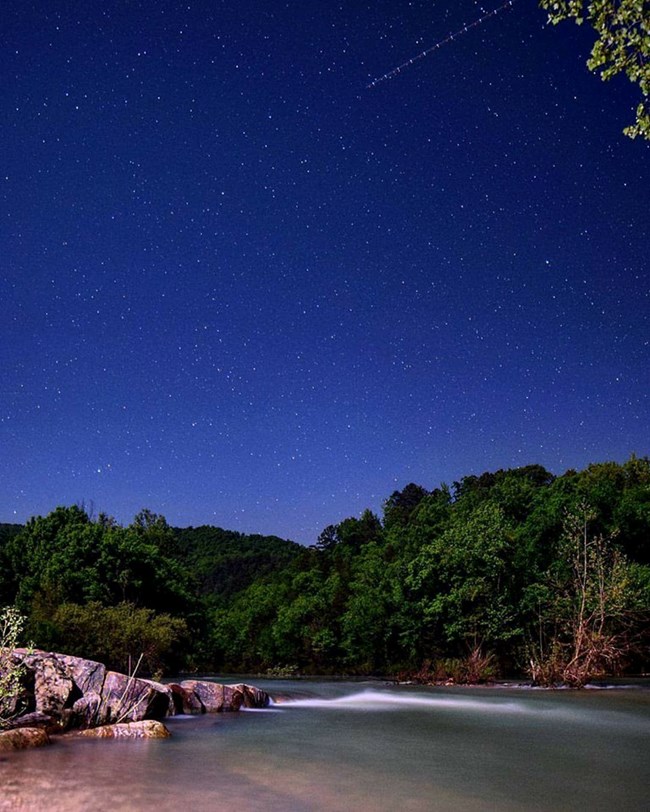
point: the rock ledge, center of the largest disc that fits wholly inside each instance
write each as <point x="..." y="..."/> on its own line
<point x="62" y="693"/>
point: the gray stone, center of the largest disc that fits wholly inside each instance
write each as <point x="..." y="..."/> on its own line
<point x="52" y="685"/>
<point x="86" y="711"/>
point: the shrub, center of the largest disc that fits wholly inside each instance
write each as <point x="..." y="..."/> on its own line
<point x="11" y="671"/>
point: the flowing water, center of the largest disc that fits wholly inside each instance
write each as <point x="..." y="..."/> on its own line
<point x="362" y="746"/>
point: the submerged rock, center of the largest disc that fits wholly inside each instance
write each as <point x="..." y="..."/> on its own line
<point x="22" y="738"/>
<point x="146" y="729"/>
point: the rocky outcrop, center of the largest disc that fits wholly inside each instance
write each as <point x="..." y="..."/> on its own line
<point x="185" y="700"/>
<point x="61" y="692"/>
<point x="22" y="738"/>
<point x="75" y="693"/>
<point x="202" y="697"/>
<point x="199" y="696"/>
<point x="147" y="729"/>
<point x="252" y="697"/>
<point x="127" y="699"/>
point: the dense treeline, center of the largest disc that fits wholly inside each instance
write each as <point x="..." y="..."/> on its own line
<point x="516" y="571"/>
<point x="91" y="587"/>
<point x="224" y="562"/>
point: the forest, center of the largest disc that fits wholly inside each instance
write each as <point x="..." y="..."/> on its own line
<point x="511" y="573"/>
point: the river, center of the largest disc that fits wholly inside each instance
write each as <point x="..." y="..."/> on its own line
<point x="362" y="746"/>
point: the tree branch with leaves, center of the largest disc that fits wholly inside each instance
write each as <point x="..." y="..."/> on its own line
<point x="11" y="671"/>
<point x="622" y="47"/>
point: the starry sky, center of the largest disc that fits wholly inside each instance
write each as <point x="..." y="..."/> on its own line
<point x="242" y="288"/>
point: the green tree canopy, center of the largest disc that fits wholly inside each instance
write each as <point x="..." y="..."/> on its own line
<point x="118" y="635"/>
<point x="66" y="557"/>
<point x="623" y="44"/>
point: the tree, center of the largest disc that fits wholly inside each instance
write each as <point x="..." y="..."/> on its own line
<point x="354" y="533"/>
<point x="224" y="562"/>
<point x="593" y="604"/>
<point x="118" y="635"/>
<point x="351" y="534"/>
<point x="463" y="580"/>
<point x="375" y="612"/>
<point x="623" y="44"/>
<point x="7" y="579"/>
<point x="305" y="630"/>
<point x="66" y="557"/>
<point x="55" y="557"/>
<point x="241" y="635"/>
<point x="400" y="504"/>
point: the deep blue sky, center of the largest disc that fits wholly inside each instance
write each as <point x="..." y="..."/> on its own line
<point x="239" y="288"/>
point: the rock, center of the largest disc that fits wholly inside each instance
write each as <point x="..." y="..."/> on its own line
<point x="131" y="699"/>
<point x="73" y="692"/>
<point x="166" y="690"/>
<point x="59" y="681"/>
<point x="86" y="711"/>
<point x="252" y="697"/>
<point x="209" y="694"/>
<point x="52" y="685"/>
<point x="233" y="697"/>
<point x="22" y="738"/>
<point x="33" y="719"/>
<point x="255" y="697"/>
<point x="22" y="699"/>
<point x="87" y="675"/>
<point x="61" y="692"/>
<point x="146" y="729"/>
<point x="185" y="700"/>
<point x="199" y="696"/>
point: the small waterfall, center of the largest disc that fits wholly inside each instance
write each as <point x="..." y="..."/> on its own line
<point x="372" y="700"/>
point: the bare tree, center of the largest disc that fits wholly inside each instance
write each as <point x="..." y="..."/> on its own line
<point x="593" y="612"/>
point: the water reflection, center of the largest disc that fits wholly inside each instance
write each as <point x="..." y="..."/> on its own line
<point x="337" y="746"/>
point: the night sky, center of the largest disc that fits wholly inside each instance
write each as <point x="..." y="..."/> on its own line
<point x="240" y="288"/>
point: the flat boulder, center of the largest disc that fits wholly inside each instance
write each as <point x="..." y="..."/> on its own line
<point x="22" y="738"/>
<point x="33" y="719"/>
<point x="145" y="729"/>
